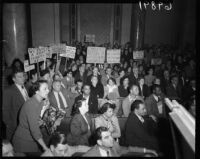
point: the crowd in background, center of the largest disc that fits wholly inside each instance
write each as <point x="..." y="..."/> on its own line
<point x="76" y="89"/>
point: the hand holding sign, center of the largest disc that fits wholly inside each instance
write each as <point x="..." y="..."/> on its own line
<point x="96" y="54"/>
<point x="113" y="56"/>
<point x="138" y="55"/>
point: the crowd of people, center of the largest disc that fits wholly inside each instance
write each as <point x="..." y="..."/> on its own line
<point x="95" y="96"/>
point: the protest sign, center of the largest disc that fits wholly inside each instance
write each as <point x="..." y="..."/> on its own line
<point x="41" y="53"/>
<point x="90" y="38"/>
<point x="33" y="55"/>
<point x="113" y="56"/>
<point x="28" y="67"/>
<point x="96" y="54"/>
<point x="156" y="61"/>
<point x="138" y="55"/>
<point x="69" y="52"/>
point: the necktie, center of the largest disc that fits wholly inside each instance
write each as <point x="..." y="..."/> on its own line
<point x="61" y="102"/>
<point x="25" y="93"/>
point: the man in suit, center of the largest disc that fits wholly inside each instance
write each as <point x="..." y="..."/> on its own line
<point x="13" y="98"/>
<point x="126" y="103"/>
<point x="106" y="146"/>
<point x="134" y="76"/>
<point x="155" y="103"/>
<point x="136" y="128"/>
<point x="174" y="90"/>
<point x="143" y="88"/>
<point x="91" y="99"/>
<point x="60" y="98"/>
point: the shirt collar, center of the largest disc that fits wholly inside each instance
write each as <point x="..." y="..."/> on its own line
<point x="139" y="117"/>
<point x="155" y="97"/>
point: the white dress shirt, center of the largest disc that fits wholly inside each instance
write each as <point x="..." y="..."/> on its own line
<point x="140" y="118"/>
<point x="103" y="152"/>
<point x="23" y="91"/>
<point x="62" y="97"/>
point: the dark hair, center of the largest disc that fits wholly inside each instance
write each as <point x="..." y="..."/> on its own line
<point x="15" y="71"/>
<point x="57" y="138"/>
<point x="36" y="86"/>
<point x="123" y="78"/>
<point x="140" y="77"/>
<point x="44" y="72"/>
<point x="79" y="80"/>
<point x="67" y="72"/>
<point x="98" y="133"/>
<point x="54" y="76"/>
<point x="32" y="72"/>
<point x="154" y="86"/>
<point x="133" y="85"/>
<point x="114" y="81"/>
<point x="135" y="104"/>
<point x="76" y="106"/>
<point x="105" y="107"/>
<point x="15" y="61"/>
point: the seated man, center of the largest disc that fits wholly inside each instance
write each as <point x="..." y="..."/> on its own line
<point x="107" y="147"/>
<point x="133" y="95"/>
<point x="59" y="98"/>
<point x="91" y="99"/>
<point x="136" y="128"/>
<point x="155" y="103"/>
<point x="58" y="147"/>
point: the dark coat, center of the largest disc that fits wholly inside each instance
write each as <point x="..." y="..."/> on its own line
<point x="79" y="132"/>
<point x="136" y="133"/>
<point x="12" y="103"/>
<point x="93" y="103"/>
<point x="66" y="94"/>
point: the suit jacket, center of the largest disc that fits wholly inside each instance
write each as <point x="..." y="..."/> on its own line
<point x="12" y="103"/>
<point x="152" y="108"/>
<point x="78" y="77"/>
<point x="92" y="102"/>
<point x="98" y="91"/>
<point x="173" y="93"/>
<point x="79" y="132"/>
<point x="132" y="79"/>
<point x="136" y="133"/>
<point x="145" y="91"/>
<point x="66" y="94"/>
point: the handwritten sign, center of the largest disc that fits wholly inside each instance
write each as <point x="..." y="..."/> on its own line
<point x="113" y="56"/>
<point x="156" y="61"/>
<point x="58" y="49"/>
<point x="138" y="55"/>
<point x="33" y="55"/>
<point x="69" y="52"/>
<point x="96" y="54"/>
<point x="28" y="67"/>
<point x="36" y="55"/>
<point x="49" y="53"/>
<point x="90" y="38"/>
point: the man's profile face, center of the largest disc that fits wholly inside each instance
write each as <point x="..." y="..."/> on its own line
<point x="141" y="110"/>
<point x="19" y="78"/>
<point x="107" y="139"/>
<point x="59" y="150"/>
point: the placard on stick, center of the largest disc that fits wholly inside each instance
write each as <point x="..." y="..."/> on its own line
<point x="69" y="52"/>
<point x="138" y="55"/>
<point x="33" y="55"/>
<point x="95" y="54"/>
<point x="113" y="56"/>
<point x="28" y="67"/>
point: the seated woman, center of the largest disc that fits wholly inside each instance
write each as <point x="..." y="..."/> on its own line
<point x="111" y="93"/>
<point x="81" y="125"/>
<point x="109" y="120"/>
<point x="124" y="87"/>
